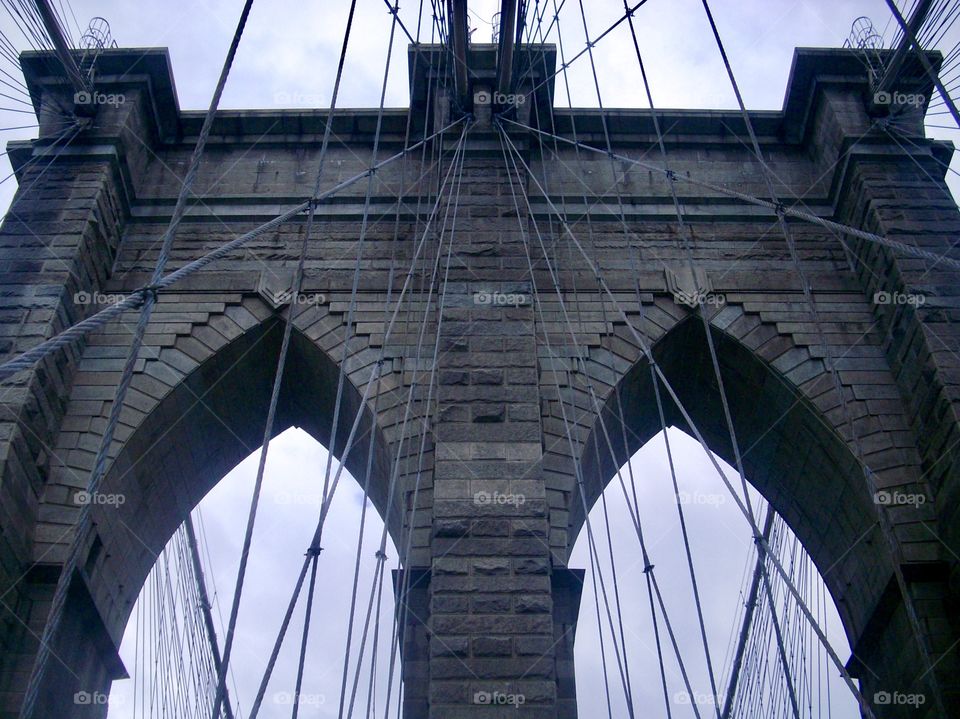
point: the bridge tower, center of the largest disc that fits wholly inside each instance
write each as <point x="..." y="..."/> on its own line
<point x="553" y="304"/>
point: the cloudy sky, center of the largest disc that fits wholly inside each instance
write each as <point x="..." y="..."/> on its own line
<point x="287" y="59"/>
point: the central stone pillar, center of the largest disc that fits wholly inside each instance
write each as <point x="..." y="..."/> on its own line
<point x="492" y="642"/>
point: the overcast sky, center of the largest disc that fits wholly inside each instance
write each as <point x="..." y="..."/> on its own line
<point x="287" y="58"/>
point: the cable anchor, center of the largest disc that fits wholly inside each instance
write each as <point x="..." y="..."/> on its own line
<point x="151" y="291"/>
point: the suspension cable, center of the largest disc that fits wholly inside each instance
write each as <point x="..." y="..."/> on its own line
<point x="885" y="523"/>
<point x="634" y="508"/>
<point x="84" y="521"/>
<point x="750" y="199"/>
<point x="403" y="610"/>
<point x="645" y="348"/>
<point x="606" y="434"/>
<point x="204" y="602"/>
<point x="688" y="251"/>
<point x="325" y="504"/>
<point x="315" y="548"/>
<point x="277" y="383"/>
<point x="453" y="203"/>
<point x="647" y="563"/>
<point x="136" y="298"/>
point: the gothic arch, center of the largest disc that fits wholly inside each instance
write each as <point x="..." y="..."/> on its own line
<point x="182" y="435"/>
<point x="796" y="454"/>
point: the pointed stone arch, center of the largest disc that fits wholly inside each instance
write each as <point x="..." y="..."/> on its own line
<point x="797" y="451"/>
<point x="196" y="408"/>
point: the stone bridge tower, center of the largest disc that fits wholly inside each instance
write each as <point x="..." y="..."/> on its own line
<point x="494" y="602"/>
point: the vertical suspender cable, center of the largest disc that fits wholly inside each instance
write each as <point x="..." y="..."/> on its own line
<point x="634" y="511"/>
<point x="325" y="505"/>
<point x="404" y="550"/>
<point x="885" y="524"/>
<point x="645" y="347"/>
<point x="747" y="622"/>
<point x="277" y="383"/>
<point x="205" y="605"/>
<point x="399" y="622"/>
<point x="314" y="550"/>
<point x="719" y="378"/>
<point x="507" y="144"/>
<point x="402" y="608"/>
<point x="85" y="520"/>
<point x="314" y="555"/>
<point x="625" y="669"/>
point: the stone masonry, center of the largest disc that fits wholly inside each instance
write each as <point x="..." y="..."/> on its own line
<point x="494" y="603"/>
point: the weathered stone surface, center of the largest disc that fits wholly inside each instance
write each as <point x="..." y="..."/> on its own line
<point x="523" y="396"/>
